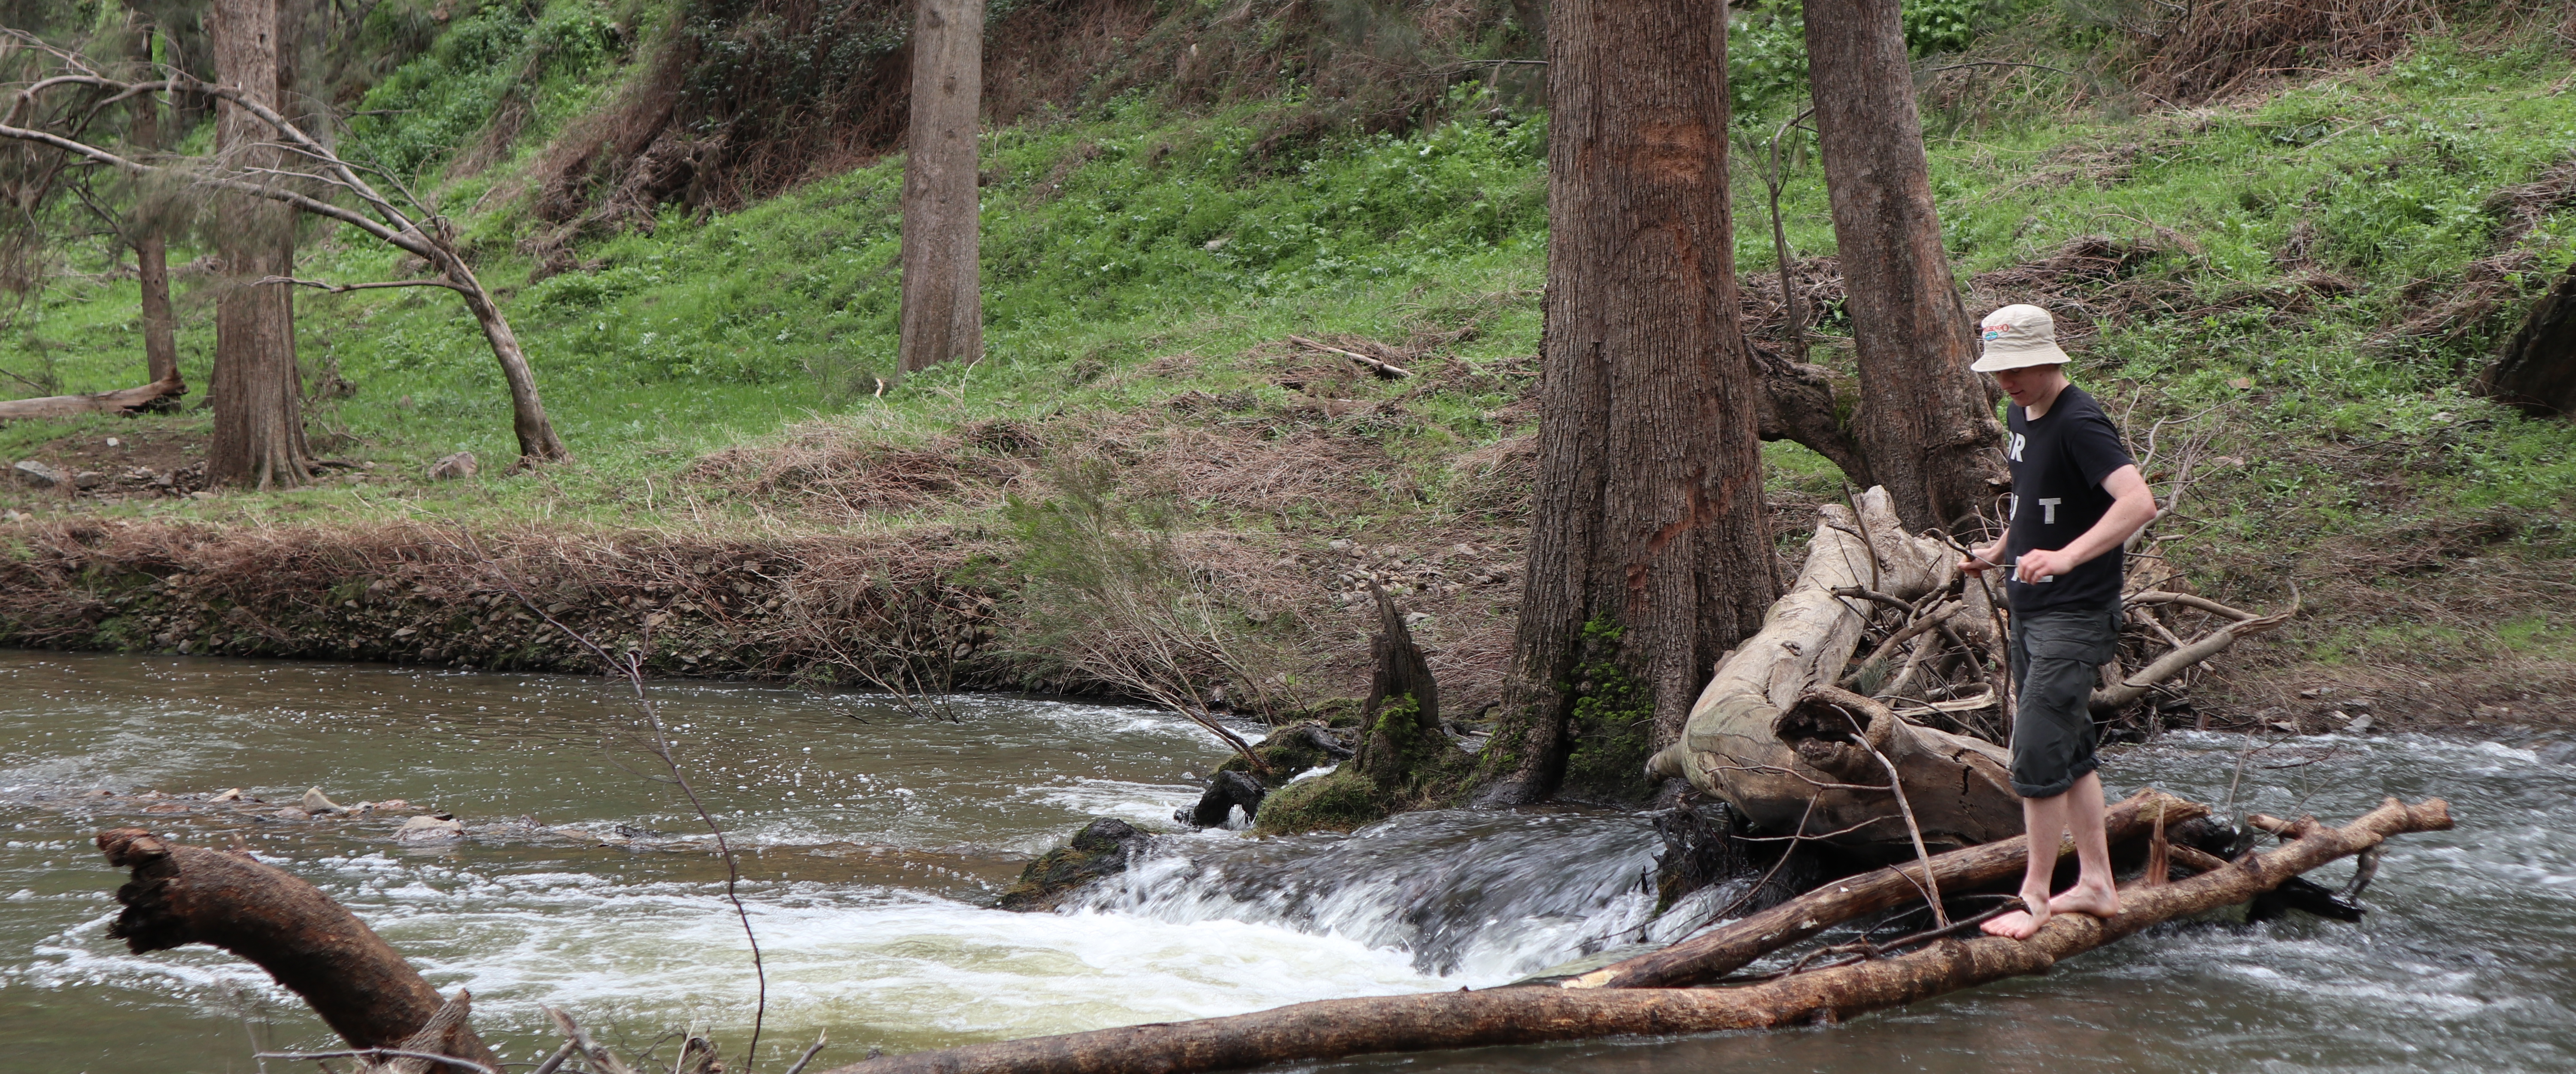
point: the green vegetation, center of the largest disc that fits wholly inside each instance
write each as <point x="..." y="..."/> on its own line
<point x="2308" y="276"/>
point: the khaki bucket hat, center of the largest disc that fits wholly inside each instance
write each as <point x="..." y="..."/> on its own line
<point x="2017" y="337"/>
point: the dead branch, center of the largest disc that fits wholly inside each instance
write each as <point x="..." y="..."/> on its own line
<point x="357" y="982"/>
<point x="1732" y="946"/>
<point x="120" y="401"/>
<point x="1384" y="370"/>
<point x="344" y="288"/>
<point x="2173" y="663"/>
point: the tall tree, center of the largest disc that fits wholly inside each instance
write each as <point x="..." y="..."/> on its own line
<point x="1649" y="553"/>
<point x="259" y="417"/>
<point x="943" y="305"/>
<point x="1925" y="423"/>
<point x="151" y="248"/>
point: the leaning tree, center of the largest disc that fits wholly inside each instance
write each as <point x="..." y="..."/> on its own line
<point x="1649" y="553"/>
<point x="309" y="177"/>
<point x="1925" y="423"/>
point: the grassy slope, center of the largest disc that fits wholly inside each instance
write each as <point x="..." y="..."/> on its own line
<point x="2425" y="527"/>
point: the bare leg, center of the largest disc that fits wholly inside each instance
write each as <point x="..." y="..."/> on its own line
<point x="2094" y="892"/>
<point x="2044" y="819"/>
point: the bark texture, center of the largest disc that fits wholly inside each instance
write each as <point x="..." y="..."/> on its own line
<point x="2537" y="372"/>
<point x="943" y="305"/>
<point x="1926" y="424"/>
<point x="1332" y="1029"/>
<point x="359" y="984"/>
<point x="1649" y="552"/>
<point x="258" y="436"/>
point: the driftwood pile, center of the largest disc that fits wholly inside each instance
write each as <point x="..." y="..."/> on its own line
<point x="1799" y="736"/>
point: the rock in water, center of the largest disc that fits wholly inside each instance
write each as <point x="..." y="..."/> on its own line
<point x="1228" y="790"/>
<point x="461" y="464"/>
<point x="317" y="804"/>
<point x="429" y="829"/>
<point x="1103" y="847"/>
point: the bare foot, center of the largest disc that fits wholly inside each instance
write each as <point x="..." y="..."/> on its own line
<point x="2020" y="924"/>
<point x="2098" y="900"/>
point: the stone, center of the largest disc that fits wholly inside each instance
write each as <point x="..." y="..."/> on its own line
<point x="2359" y="725"/>
<point x="317" y="804"/>
<point x="458" y="465"/>
<point x="38" y="475"/>
<point x="430" y="829"/>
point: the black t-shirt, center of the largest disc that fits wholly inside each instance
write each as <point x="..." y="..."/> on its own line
<point x="2058" y="464"/>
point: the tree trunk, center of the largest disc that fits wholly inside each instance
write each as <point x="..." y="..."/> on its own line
<point x="359" y="984"/>
<point x="1649" y="550"/>
<point x="537" y="440"/>
<point x="943" y="305"/>
<point x="258" y="436"/>
<point x="2537" y="372"/>
<point x="1926" y="424"/>
<point x="152" y="254"/>
<point x="1332" y="1029"/>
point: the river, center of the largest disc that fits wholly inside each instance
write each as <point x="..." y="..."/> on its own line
<point x="873" y="834"/>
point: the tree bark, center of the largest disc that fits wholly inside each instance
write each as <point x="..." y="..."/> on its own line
<point x="2537" y="371"/>
<point x="1649" y="551"/>
<point x="1926" y="424"/>
<point x="1331" y="1029"/>
<point x="258" y="436"/>
<point x="943" y="306"/>
<point x="152" y="251"/>
<point x="357" y="982"/>
<point x="1400" y="723"/>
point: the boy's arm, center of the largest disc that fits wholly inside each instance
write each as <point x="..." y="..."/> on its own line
<point x="2132" y="507"/>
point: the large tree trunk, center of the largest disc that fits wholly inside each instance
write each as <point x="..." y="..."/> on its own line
<point x="1649" y="553"/>
<point x="259" y="417"/>
<point x="2537" y="372"/>
<point x="359" y="984"/>
<point x="1331" y="1029"/>
<point x="1925" y="422"/>
<point x="152" y="252"/>
<point x="943" y="304"/>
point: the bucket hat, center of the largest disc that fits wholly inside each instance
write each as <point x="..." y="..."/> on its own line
<point x="2017" y="337"/>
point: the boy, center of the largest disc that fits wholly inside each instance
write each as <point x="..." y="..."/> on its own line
<point x="2077" y="498"/>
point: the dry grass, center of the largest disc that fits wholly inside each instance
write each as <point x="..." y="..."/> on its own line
<point x="2218" y="48"/>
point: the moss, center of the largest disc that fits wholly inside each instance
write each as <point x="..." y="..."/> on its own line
<point x="1337" y="801"/>
<point x="1287" y="751"/>
<point x="1613" y="722"/>
<point x="1103" y="847"/>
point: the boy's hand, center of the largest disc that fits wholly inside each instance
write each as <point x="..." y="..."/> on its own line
<point x="1980" y="560"/>
<point x="2040" y="564"/>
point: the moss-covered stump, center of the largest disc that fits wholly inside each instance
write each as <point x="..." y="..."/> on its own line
<point x="1104" y="847"/>
<point x="1292" y="749"/>
<point x="1404" y="762"/>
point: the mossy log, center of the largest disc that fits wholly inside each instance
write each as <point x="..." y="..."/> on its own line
<point x="1332" y="1029"/>
<point x="1404" y="759"/>
<point x="1748" y="740"/>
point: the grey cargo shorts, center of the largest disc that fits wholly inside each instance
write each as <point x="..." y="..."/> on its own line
<point x="2057" y="655"/>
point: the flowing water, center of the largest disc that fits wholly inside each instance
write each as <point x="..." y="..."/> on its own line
<point x="874" y="834"/>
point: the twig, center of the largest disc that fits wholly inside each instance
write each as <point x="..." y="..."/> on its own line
<point x="632" y="666"/>
<point x="555" y="1061"/>
<point x="380" y="1053"/>
<point x="1896" y="783"/>
<point x="1384" y="370"/>
<point x="339" y="288"/>
<point x="798" y="1067"/>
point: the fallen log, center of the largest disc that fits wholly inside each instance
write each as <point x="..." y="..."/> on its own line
<point x="1735" y="944"/>
<point x="1332" y="1029"/>
<point x="120" y="401"/>
<point x="1733" y="746"/>
<point x="358" y="983"/>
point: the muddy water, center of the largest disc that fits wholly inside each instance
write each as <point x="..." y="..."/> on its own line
<point x="877" y="831"/>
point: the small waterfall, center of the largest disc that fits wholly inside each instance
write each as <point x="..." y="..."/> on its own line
<point x="1479" y="896"/>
